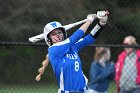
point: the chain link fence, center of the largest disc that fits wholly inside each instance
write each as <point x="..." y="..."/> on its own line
<point x="21" y="19"/>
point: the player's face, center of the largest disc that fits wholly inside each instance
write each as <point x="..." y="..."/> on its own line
<point x="56" y="36"/>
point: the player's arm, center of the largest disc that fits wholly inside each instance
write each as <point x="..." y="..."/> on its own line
<point x="103" y="17"/>
<point x="80" y="33"/>
<point x="89" y="39"/>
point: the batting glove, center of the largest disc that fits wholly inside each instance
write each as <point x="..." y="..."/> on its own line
<point x="102" y="16"/>
<point x="91" y="17"/>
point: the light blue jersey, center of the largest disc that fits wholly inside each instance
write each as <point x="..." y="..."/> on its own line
<point x="66" y="62"/>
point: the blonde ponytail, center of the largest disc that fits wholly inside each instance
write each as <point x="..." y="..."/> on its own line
<point x="42" y="69"/>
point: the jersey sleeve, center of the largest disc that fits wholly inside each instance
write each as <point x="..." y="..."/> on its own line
<point x="61" y="48"/>
<point x="87" y="40"/>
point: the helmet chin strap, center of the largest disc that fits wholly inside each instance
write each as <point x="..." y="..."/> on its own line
<point x="50" y="41"/>
<point x="63" y="38"/>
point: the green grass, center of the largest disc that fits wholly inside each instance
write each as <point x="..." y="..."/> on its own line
<point x="39" y="88"/>
<point x="112" y="87"/>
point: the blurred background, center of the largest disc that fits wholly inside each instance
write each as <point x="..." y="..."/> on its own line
<point x="22" y="19"/>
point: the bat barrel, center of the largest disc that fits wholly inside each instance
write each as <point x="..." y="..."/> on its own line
<point x="36" y="38"/>
<point x="67" y="27"/>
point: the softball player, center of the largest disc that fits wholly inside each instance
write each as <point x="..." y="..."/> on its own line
<point x="63" y="52"/>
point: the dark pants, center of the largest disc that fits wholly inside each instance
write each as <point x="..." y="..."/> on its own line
<point x="135" y="90"/>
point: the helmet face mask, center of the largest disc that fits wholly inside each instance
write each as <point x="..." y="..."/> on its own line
<point x="49" y="28"/>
